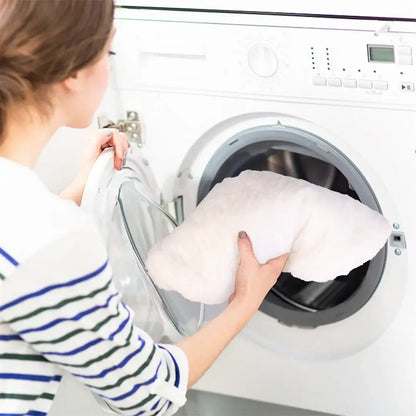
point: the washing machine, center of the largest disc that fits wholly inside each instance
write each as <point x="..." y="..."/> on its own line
<point x="322" y="92"/>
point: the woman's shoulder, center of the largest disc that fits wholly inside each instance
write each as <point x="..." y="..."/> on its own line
<point x="31" y="216"/>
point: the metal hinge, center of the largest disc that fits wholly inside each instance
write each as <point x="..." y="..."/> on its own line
<point x="129" y="126"/>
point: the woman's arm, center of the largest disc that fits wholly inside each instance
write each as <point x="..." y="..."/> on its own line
<point x="253" y="281"/>
<point x="63" y="302"/>
<point x="94" y="144"/>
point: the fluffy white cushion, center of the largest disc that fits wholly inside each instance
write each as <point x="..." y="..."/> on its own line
<point x="327" y="233"/>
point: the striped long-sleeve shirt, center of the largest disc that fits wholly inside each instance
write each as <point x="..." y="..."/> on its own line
<point x="59" y="310"/>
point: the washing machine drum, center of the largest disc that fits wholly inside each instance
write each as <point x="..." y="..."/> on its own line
<point x="132" y="221"/>
<point x="294" y="152"/>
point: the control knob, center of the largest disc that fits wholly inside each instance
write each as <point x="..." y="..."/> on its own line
<point x="262" y="60"/>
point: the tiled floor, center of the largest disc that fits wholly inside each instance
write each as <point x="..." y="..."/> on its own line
<point x="209" y="404"/>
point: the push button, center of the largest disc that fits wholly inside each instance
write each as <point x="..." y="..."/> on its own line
<point x="404" y="50"/>
<point x="365" y="83"/>
<point x="405" y="60"/>
<point x="334" y="82"/>
<point x="320" y="81"/>
<point x="349" y="83"/>
<point x="381" y="85"/>
<point x="407" y="86"/>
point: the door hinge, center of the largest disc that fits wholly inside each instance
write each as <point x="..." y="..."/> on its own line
<point x="130" y="126"/>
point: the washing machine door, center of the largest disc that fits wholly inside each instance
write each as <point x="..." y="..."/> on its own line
<point x="126" y="205"/>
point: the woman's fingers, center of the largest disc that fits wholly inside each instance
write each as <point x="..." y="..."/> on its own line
<point x="105" y="137"/>
<point x="248" y="261"/>
<point x="117" y="140"/>
<point x="254" y="280"/>
<point x="247" y="256"/>
<point x="120" y="144"/>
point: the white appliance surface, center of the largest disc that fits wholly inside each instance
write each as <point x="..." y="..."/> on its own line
<point x="345" y="88"/>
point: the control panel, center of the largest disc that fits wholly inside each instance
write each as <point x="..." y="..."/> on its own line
<point x="348" y="63"/>
<point x="372" y="67"/>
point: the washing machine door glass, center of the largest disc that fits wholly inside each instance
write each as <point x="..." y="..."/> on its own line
<point x="138" y="222"/>
<point x="132" y="221"/>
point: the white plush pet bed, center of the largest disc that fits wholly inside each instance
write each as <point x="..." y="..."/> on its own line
<point x="327" y="233"/>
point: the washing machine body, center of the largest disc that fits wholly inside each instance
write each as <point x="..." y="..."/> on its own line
<point x="330" y="99"/>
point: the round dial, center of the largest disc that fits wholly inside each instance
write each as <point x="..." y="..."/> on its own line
<point x="262" y="60"/>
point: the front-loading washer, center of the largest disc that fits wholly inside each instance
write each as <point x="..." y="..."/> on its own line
<point x="326" y="97"/>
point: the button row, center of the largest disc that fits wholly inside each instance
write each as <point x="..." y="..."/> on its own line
<point x="350" y="83"/>
<point x="361" y="83"/>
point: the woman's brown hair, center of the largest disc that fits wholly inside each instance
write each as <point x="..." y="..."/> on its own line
<point x="46" y="41"/>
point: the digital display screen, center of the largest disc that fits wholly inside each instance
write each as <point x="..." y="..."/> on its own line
<point x="377" y="53"/>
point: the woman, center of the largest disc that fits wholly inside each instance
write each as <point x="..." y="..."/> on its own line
<point x="59" y="309"/>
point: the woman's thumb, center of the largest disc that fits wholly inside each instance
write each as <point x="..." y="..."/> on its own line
<point x="245" y="248"/>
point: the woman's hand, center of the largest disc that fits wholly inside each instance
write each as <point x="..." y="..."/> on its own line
<point x="254" y="280"/>
<point x="94" y="144"/>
